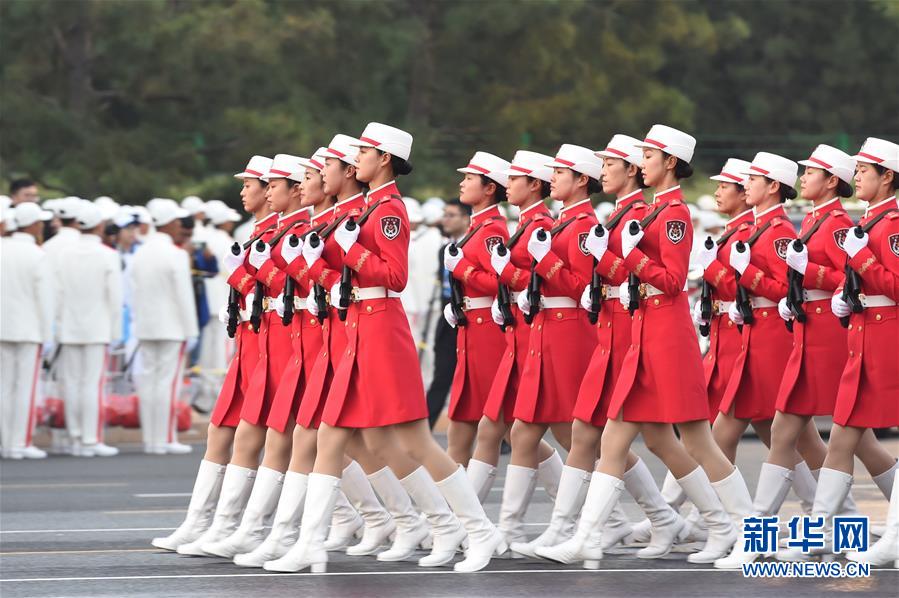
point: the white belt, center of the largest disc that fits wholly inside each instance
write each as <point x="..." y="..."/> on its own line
<point x="268" y="303"/>
<point x="557" y="302"/>
<point x="513" y="296"/>
<point x="366" y="293"/>
<point x="759" y="302"/>
<point x="816" y="295"/>
<point x="299" y="303"/>
<point x="470" y="303"/>
<point x="647" y="290"/>
<point x="610" y="291"/>
<point x="243" y="315"/>
<point x="876" y="300"/>
<point x="719" y="308"/>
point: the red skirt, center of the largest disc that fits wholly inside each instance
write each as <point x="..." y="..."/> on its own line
<point x="661" y="377"/>
<point x="559" y="349"/>
<point x="501" y="398"/>
<point x="319" y="370"/>
<point x="480" y="346"/>
<point x="613" y="330"/>
<point x="724" y="346"/>
<point x="305" y="330"/>
<point x="869" y="386"/>
<point x="274" y="352"/>
<point x="240" y="370"/>
<point x="812" y="376"/>
<point x="751" y="392"/>
<point x="378" y="379"/>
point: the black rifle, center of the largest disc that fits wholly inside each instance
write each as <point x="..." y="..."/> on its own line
<point x="346" y="281"/>
<point x="633" y="283"/>
<point x="503" y="297"/>
<point x="595" y="284"/>
<point x="289" y="288"/>
<point x="233" y="302"/>
<point x="259" y="291"/>
<point x="705" y="299"/>
<point x="852" y="288"/>
<point x="795" y="294"/>
<point x="744" y="303"/>
<point x="457" y="301"/>
<point x="319" y="293"/>
<point x="533" y="292"/>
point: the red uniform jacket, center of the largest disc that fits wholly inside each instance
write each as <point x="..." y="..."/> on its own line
<point x="724" y="336"/>
<point x="812" y="375"/>
<point x="561" y="339"/>
<point x="752" y="389"/>
<point x="613" y="327"/>
<point x="479" y="344"/>
<point x="661" y="377"/>
<point x="504" y="389"/>
<point x="275" y="343"/>
<point x="246" y="352"/>
<point x="378" y="380"/>
<point x="870" y="384"/>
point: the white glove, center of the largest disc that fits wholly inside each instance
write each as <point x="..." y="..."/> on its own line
<point x="346" y="238"/>
<point x="335" y="295"/>
<point x="312" y="254"/>
<point x="853" y="244"/>
<point x="192" y="343"/>
<point x="449" y="316"/>
<point x="839" y="307"/>
<point x="257" y="258"/>
<point x="223" y="315"/>
<point x="450" y="261"/>
<point x="499" y="262"/>
<point x="629" y="241"/>
<point x="47" y="349"/>
<point x="232" y="262"/>
<point x="785" y="312"/>
<point x="523" y="304"/>
<point x="537" y="248"/>
<point x="740" y="261"/>
<point x="311" y="305"/>
<point x="697" y="314"/>
<point x="289" y="253"/>
<point x="706" y="256"/>
<point x="597" y="245"/>
<point x="496" y="313"/>
<point x="734" y="313"/>
<point x="623" y="296"/>
<point x="797" y="260"/>
<point x="249" y="301"/>
<point x="279" y="306"/>
<point x="585" y="298"/>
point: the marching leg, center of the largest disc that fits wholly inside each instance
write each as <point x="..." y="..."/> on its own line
<point x="481" y="476"/>
<point x="205" y="494"/>
<point x="285" y="525"/>
<point x="722" y="533"/>
<point x="517" y="492"/>
<point x="446" y="528"/>
<point x="363" y="491"/>
<point x="549" y="472"/>
<point x="411" y="529"/>
<point x="833" y="486"/>
<point x="236" y="487"/>
<point x="572" y="490"/>
<point x="886" y="550"/>
<point x="345" y="523"/>
<point x="664" y="520"/>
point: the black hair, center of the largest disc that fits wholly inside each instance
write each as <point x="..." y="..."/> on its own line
<point x="786" y="192"/>
<point x="18" y="184"/>
<point x="67" y="221"/>
<point x="399" y="165"/>
<point x="544" y="186"/>
<point x="844" y="189"/>
<point x="682" y="170"/>
<point x="187" y="222"/>
<point x="593" y="186"/>
<point x="457" y="203"/>
<point x="882" y="169"/>
<point x="500" y="194"/>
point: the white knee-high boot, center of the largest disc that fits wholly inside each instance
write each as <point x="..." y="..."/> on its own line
<point x="833" y="486"/>
<point x="205" y="494"/>
<point x="367" y="509"/>
<point x="236" y="487"/>
<point x="517" y="492"/>
<point x="285" y="525"/>
<point x="665" y="521"/>
<point x="886" y="550"/>
<point x="722" y="533"/>
<point x="411" y="530"/>
<point x="446" y="529"/>
<point x="481" y="476"/>
<point x="549" y="472"/>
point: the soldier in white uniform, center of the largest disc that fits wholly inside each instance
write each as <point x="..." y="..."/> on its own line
<point x="26" y="297"/>
<point x="88" y="320"/>
<point x="165" y="323"/>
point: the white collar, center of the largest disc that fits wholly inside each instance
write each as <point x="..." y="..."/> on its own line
<point x="669" y="190"/>
<point x="529" y="208"/>
<point x="294" y="213"/>
<point x="348" y="199"/>
<point x="620" y="200"/>
<point x="24" y="237"/>
<point x="888" y="199"/>
<point x="487" y="209"/>
<point x="574" y="205"/>
<point x="370" y="191"/>
<point x="771" y="209"/>
<point x="737" y="217"/>
<point x="826" y="203"/>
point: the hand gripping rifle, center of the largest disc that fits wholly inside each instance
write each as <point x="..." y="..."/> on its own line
<point x="705" y="299"/>
<point x="744" y="304"/>
<point x="534" y="285"/>
<point x="457" y="301"/>
<point x="256" y="311"/>
<point x="852" y="288"/>
<point x="319" y="293"/>
<point x="633" y="282"/>
<point x="795" y="294"/>
<point x="346" y="281"/>
<point x="289" y="288"/>
<point x="503" y="296"/>
<point x="595" y="284"/>
<point x="233" y="302"/>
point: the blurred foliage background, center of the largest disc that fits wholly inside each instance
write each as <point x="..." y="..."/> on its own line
<point x="143" y="98"/>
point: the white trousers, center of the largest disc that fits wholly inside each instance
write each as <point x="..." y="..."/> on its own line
<point x="83" y="375"/>
<point x="20" y="366"/>
<point x="158" y="384"/>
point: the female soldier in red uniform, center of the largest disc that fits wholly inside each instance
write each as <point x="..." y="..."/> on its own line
<point x="214" y="476"/>
<point x="372" y="389"/>
<point x="661" y="380"/>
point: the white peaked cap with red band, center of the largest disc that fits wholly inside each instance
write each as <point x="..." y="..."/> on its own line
<point x="285" y="166"/>
<point x="256" y="168"/>
<point x="90" y="216"/>
<point x="343" y="147"/>
<point x="26" y="214"/>
<point x="777" y="168"/>
<point x="492" y="167"/>
<point x="733" y="172"/>
<point x="671" y="141"/>
<point x="530" y="164"/>
<point x="163" y="211"/>
<point x="624" y="147"/>
<point x="385" y="138"/>
<point x="834" y="161"/>
<point x="317" y="161"/>
<point x="579" y="159"/>
<point x="879" y="151"/>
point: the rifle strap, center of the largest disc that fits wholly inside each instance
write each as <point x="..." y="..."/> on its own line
<point x="871" y="223"/>
<point x="758" y="233"/>
<point x="461" y="242"/>
<point x="280" y="235"/>
<point x="252" y="240"/>
<point x="805" y="238"/>
<point x="652" y="216"/>
<point x="727" y="236"/>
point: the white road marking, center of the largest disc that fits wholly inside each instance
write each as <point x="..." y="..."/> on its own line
<point x="72" y="485"/>
<point x="144" y="512"/>
<point x="98" y="551"/>
<point x="86" y="530"/>
<point x="162" y="495"/>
